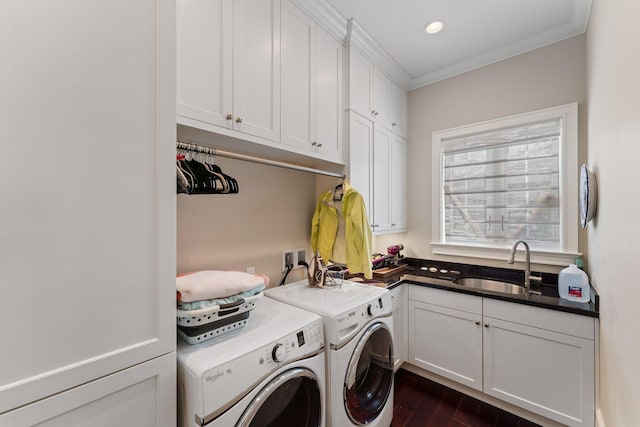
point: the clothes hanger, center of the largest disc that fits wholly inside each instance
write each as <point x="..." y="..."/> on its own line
<point x="338" y="191"/>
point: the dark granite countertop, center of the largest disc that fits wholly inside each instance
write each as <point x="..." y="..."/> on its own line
<point x="440" y="275"/>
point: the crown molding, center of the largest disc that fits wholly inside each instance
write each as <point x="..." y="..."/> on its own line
<point x="497" y="55"/>
<point x="326" y="16"/>
<point x="358" y="38"/>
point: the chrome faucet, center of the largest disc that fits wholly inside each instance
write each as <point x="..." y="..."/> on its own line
<point x="527" y="264"/>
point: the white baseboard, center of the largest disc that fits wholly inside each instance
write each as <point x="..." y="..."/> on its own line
<point x="599" y="418"/>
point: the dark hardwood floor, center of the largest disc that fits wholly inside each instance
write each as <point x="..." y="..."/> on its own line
<point x="419" y="402"/>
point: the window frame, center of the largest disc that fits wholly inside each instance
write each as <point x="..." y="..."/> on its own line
<point x="568" y="183"/>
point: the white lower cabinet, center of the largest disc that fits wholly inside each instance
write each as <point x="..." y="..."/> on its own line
<point x="136" y="396"/>
<point x="538" y="359"/>
<point x="444" y="340"/>
<point x="399" y="309"/>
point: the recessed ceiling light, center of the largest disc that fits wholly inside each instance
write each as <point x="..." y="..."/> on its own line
<point x="434" y="27"/>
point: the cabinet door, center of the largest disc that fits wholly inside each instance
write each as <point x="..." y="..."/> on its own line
<point x="88" y="235"/>
<point x="398" y="110"/>
<point x="328" y="99"/>
<point x="546" y="372"/>
<point x="143" y="395"/>
<point x="256" y="67"/>
<point x="360" y="157"/>
<point x="204" y="63"/>
<point x="447" y="342"/>
<point x="360" y="83"/>
<point x="298" y="77"/>
<point x="399" y="306"/>
<point x="381" y="179"/>
<point x="398" y="192"/>
<point x="381" y="98"/>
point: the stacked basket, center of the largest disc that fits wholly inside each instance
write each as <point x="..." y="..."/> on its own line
<point x="214" y="303"/>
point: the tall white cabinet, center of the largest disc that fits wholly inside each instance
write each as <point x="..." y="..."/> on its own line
<point x="87" y="258"/>
<point x="380" y="176"/>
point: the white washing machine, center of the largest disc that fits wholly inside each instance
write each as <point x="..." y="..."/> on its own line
<point x="270" y="373"/>
<point x="358" y="327"/>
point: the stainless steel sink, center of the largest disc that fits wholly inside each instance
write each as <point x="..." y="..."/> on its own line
<point x="491" y="285"/>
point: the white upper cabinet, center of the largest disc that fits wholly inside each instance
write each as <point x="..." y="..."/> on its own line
<point x="256" y="67"/>
<point x="205" y="65"/>
<point x="360" y="84"/>
<point x="229" y="65"/>
<point x="381" y="98"/>
<point x="311" y="86"/>
<point x="374" y="95"/>
<point x="329" y="95"/>
<point x="399" y="110"/>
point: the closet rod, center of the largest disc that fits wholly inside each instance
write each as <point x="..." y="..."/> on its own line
<point x="190" y="146"/>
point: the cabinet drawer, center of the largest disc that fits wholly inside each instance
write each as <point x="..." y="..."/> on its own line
<point x="557" y="321"/>
<point x="463" y="302"/>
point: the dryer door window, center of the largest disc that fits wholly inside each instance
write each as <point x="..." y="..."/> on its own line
<point x="291" y="399"/>
<point x="369" y="379"/>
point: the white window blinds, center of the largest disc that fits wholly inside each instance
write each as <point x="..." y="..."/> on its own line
<point x="503" y="185"/>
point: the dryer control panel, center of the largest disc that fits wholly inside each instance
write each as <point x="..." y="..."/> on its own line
<point x="348" y="323"/>
<point x="294" y="346"/>
<point x="247" y="371"/>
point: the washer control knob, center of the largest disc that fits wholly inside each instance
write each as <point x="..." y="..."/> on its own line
<point x="279" y="353"/>
<point x="373" y="309"/>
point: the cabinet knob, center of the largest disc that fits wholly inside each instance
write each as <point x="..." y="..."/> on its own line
<point x="319" y="145"/>
<point x="486" y="325"/>
<point x="314" y="143"/>
<point x="376" y="114"/>
<point x="229" y="116"/>
<point x="239" y="120"/>
<point x="393" y="124"/>
<point x="478" y="322"/>
<point x="373" y="112"/>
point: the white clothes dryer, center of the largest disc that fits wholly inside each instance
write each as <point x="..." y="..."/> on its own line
<point x="358" y="329"/>
<point x="270" y="373"/>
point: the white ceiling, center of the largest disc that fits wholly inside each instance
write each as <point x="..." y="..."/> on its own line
<point x="477" y="32"/>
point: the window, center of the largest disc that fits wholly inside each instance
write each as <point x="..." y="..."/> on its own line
<point x="509" y="179"/>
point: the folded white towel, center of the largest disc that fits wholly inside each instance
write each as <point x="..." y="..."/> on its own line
<point x="204" y="285"/>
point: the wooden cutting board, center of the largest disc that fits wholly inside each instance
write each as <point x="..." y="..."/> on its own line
<point x="382" y="273"/>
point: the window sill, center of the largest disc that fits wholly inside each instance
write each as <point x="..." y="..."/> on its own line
<point x="537" y="257"/>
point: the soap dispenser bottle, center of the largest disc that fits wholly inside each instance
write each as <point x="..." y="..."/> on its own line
<point x="573" y="284"/>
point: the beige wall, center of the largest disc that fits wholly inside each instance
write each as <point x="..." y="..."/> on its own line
<point x="272" y="212"/>
<point x="614" y="248"/>
<point x="546" y="77"/>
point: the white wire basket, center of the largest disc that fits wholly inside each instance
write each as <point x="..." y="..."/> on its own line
<point x="196" y="326"/>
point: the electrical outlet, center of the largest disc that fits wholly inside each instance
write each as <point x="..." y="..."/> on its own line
<point x="288" y="258"/>
<point x="302" y="256"/>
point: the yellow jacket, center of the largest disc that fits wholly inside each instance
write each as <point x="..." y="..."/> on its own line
<point x="324" y="228"/>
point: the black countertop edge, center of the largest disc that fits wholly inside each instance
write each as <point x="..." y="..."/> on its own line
<point x="417" y="276"/>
